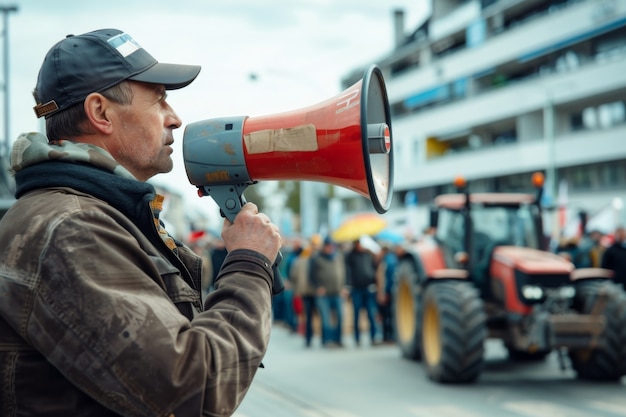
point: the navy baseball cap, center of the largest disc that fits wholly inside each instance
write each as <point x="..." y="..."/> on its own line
<point x="92" y="62"/>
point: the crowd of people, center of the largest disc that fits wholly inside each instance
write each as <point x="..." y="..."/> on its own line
<point x="596" y="249"/>
<point x="327" y="280"/>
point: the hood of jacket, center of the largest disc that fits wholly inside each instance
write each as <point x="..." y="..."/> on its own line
<point x="83" y="167"/>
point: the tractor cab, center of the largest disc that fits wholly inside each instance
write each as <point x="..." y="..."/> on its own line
<point x="470" y="226"/>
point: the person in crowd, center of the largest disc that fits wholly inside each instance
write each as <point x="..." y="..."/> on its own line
<point x="569" y="249"/>
<point x="284" y="302"/>
<point x="614" y="257"/>
<point x="327" y="274"/>
<point x="101" y="312"/>
<point x="296" y="300"/>
<point x="304" y="292"/>
<point x="593" y="248"/>
<point x="385" y="280"/>
<point x="361" y="266"/>
<point x="584" y="251"/>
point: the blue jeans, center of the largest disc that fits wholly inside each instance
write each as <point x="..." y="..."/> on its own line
<point x="363" y="298"/>
<point x="282" y="306"/>
<point x="308" y="302"/>
<point x="331" y="329"/>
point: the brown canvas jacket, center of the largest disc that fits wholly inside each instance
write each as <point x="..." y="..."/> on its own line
<point x="98" y="319"/>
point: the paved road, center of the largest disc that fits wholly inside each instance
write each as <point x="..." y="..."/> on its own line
<point x="375" y="381"/>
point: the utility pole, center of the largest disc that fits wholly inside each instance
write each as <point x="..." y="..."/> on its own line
<point x="5" y="60"/>
<point x="5" y="152"/>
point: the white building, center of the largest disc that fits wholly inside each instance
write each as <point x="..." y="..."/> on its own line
<point x="495" y="90"/>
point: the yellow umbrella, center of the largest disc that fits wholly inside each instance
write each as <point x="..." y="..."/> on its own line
<point x="358" y="225"/>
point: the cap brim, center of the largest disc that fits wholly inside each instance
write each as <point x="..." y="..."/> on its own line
<point x="172" y="76"/>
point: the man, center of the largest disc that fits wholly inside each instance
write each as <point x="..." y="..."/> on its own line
<point x="614" y="257"/>
<point x="361" y="266"/>
<point x="384" y="289"/>
<point x="100" y="311"/>
<point x="303" y="291"/>
<point x="328" y="278"/>
<point x="596" y="249"/>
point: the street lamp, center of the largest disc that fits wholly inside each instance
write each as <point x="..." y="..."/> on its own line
<point x="5" y="49"/>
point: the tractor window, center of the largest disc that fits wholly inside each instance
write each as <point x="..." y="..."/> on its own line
<point x="505" y="225"/>
<point x="450" y="228"/>
<point x="451" y="233"/>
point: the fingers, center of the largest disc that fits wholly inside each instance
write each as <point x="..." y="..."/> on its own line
<point x="252" y="230"/>
<point x="253" y="210"/>
<point x="250" y="208"/>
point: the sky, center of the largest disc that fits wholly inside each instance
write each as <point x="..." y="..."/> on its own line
<point x="298" y="49"/>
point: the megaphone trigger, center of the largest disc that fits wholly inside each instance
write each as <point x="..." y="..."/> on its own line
<point x="229" y="198"/>
<point x="278" y="285"/>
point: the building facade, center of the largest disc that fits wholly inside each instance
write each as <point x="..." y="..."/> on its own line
<point x="495" y="90"/>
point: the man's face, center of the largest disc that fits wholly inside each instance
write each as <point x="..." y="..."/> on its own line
<point x="143" y="132"/>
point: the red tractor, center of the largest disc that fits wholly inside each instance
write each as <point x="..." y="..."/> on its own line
<point x="487" y="273"/>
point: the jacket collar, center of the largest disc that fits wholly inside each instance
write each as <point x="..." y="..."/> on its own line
<point x="85" y="168"/>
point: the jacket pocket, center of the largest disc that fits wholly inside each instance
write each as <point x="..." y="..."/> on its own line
<point x="186" y="298"/>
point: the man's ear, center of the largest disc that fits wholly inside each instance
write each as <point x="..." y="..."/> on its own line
<point x="97" y="108"/>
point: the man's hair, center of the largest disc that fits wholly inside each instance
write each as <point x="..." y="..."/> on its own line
<point x="72" y="122"/>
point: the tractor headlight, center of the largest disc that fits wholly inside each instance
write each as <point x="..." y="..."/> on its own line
<point x="567" y="291"/>
<point x="532" y="292"/>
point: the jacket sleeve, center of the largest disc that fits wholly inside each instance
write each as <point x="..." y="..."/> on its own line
<point x="312" y="272"/>
<point x="607" y="259"/>
<point x="348" y="269"/>
<point x="101" y="316"/>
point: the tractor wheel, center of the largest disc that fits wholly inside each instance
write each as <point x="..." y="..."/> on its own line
<point x="607" y="363"/>
<point x="454" y="330"/>
<point x="406" y="317"/>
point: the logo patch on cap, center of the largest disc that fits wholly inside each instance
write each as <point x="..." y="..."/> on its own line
<point x="124" y="44"/>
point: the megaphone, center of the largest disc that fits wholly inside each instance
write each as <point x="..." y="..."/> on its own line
<point x="344" y="141"/>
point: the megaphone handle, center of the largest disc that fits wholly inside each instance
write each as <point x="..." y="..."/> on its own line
<point x="278" y="286"/>
<point x="230" y="199"/>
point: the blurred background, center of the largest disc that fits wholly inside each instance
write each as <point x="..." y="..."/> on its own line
<point x="257" y="59"/>
<point x="488" y="90"/>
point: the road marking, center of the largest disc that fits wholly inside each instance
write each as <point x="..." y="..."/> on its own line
<point x="442" y="411"/>
<point x="544" y="409"/>
<point x="616" y="406"/>
<point x="529" y="409"/>
<point x="328" y="412"/>
<point x="269" y="401"/>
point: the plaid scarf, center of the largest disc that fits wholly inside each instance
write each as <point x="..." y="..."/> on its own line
<point x="156" y="205"/>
